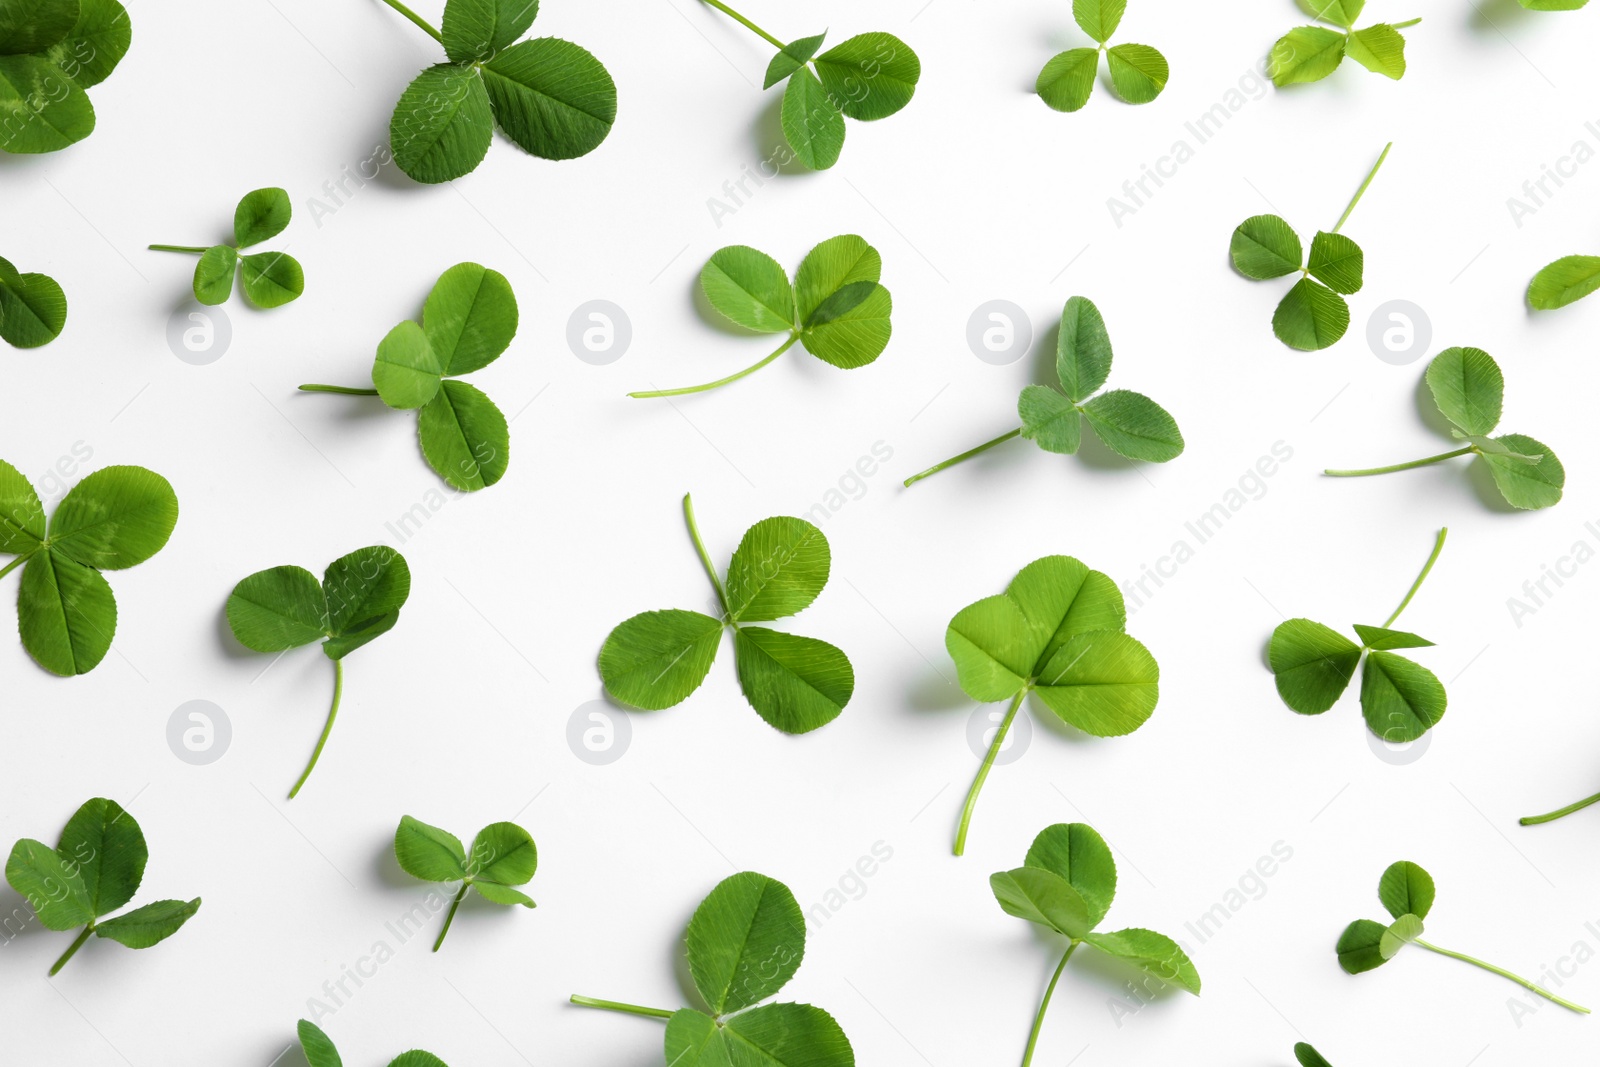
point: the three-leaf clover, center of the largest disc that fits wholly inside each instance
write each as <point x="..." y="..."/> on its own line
<point x="358" y="599"/>
<point x="1468" y="387"/>
<point x="269" y="279"/>
<point x="1313" y="664"/>
<point x="50" y="52"/>
<point x="33" y="309"/>
<point x="1056" y="632"/>
<point x="1566" y="281"/>
<point x="1129" y="423"/>
<point x="552" y="98"/>
<point x="319" y="1051"/>
<point x="95" y="868"/>
<point x="1407" y="892"/>
<point x="835" y="308"/>
<point x="867" y="77"/>
<point x="1138" y="72"/>
<point x="1312" y="315"/>
<point x="469" y="319"/>
<point x="503" y="855"/>
<point x="1311" y="53"/>
<point x="745" y="941"/>
<point x="1066" y="884"/>
<point x="656" y="659"/>
<point x="115" y="518"/>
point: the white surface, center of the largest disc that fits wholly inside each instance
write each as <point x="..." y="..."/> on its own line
<point x="975" y="191"/>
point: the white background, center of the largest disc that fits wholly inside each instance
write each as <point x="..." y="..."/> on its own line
<point x="976" y="191"/>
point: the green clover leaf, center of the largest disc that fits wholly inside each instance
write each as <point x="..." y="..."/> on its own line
<point x="503" y="855"/>
<point x="33" y="309"/>
<point x="1311" y="53"/>
<point x="268" y="279"/>
<point x="50" y="52"/>
<point x="319" y="1051"/>
<point x="1138" y="72"/>
<point x="654" y="660"/>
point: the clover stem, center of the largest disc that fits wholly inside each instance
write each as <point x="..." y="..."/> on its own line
<point x="1373" y="173"/>
<point x="333" y="713"/>
<point x="968" y="454"/>
<point x="1400" y="466"/>
<point x="1038" y="1020"/>
<point x="14" y="564"/>
<point x="705" y="559"/>
<point x="450" y="915"/>
<point x="1531" y="820"/>
<point x="757" y="30"/>
<point x="343" y="390"/>
<point x="1404" y="25"/>
<point x="414" y="17"/>
<point x="983" y="771"/>
<point x="72" y="949"/>
<point x="1438" y="546"/>
<point x="614" y="1005"/>
<point x="191" y="249"/>
<point x="1503" y="973"/>
<point x="687" y="389"/>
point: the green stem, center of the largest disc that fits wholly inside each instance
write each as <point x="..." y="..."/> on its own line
<point x="1404" y="25"/>
<point x="1038" y="1020"/>
<point x="968" y="454"/>
<point x="14" y="564"/>
<point x="1503" y="973"/>
<point x="343" y="390"/>
<point x="1373" y="173"/>
<point x="414" y="17"/>
<point x="450" y="915"/>
<point x="685" y="390"/>
<point x="1401" y="466"/>
<point x="1531" y="820"/>
<point x="726" y="10"/>
<point x="705" y="558"/>
<point x="191" y="249"/>
<point x="333" y="713"/>
<point x="615" y="1005"/>
<point x="72" y="949"/>
<point x="1438" y="546"/>
<point x="983" y="771"/>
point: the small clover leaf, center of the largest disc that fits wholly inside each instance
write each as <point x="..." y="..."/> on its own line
<point x="1313" y="314"/>
<point x="33" y="309"/>
<point x="867" y="77"/>
<point x="269" y="279"/>
<point x="1138" y="72"/>
<point x="1130" y="424"/>
<point x="1066" y="884"/>
<point x="1407" y="891"/>
<point x="552" y="98"/>
<point x="745" y="941"/>
<point x="835" y="309"/>
<point x="503" y="855"/>
<point x="358" y="599"/>
<point x="50" y="52"/>
<point x="1311" y="53"/>
<point x="1056" y="632"/>
<point x="1312" y="666"/>
<point x="95" y="868"/>
<point x="1567" y="280"/>
<point x="1468" y="388"/>
<point x="319" y="1051"/>
<point x="656" y="659"/>
<point x="468" y="321"/>
<point x="115" y="518"/>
